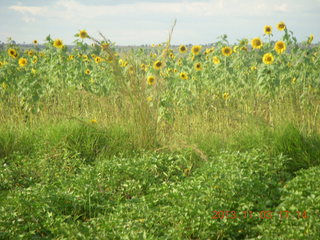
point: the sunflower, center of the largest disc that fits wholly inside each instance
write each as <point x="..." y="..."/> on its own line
<point x="105" y="46"/>
<point x="98" y="59"/>
<point x="198" y="66"/>
<point x="71" y="57"/>
<point x="30" y="53"/>
<point x="58" y="43"/>
<point x="215" y="60"/>
<point x="268" y="30"/>
<point x="1" y="64"/>
<point x="281" y="26"/>
<point x="196" y="49"/>
<point x="280" y="47"/>
<point x="87" y="71"/>
<point x="83" y="34"/>
<point x="23" y="62"/>
<point x="151" y="80"/>
<point x="182" y="49"/>
<point x="35" y="59"/>
<point x="184" y="76"/>
<point x="310" y="39"/>
<point x="85" y="57"/>
<point x="268" y="58"/>
<point x="244" y="48"/>
<point x="157" y="65"/>
<point x="93" y="121"/>
<point x="256" y="43"/>
<point x="35" y="42"/>
<point x="12" y="53"/>
<point x="226" y="51"/>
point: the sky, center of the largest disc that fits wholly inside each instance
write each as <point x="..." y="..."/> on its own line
<point x="146" y="22"/>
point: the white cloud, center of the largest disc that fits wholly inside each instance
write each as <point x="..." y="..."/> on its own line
<point x="74" y="10"/>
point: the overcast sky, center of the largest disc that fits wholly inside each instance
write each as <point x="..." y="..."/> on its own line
<point x="146" y="22"/>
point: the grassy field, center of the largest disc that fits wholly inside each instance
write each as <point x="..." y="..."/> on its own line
<point x="201" y="142"/>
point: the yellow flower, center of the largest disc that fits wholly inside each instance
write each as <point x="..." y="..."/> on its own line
<point x="256" y="43"/>
<point x="87" y="71"/>
<point x="71" y="57"/>
<point x="196" y="49"/>
<point x="12" y="53"/>
<point x="198" y="66"/>
<point x="98" y="59"/>
<point x="30" y="53"/>
<point x="58" y="43"/>
<point x="215" y="60"/>
<point x="293" y="80"/>
<point x="143" y="67"/>
<point x="281" y="26"/>
<point x="83" y="34"/>
<point x="253" y="68"/>
<point x="35" y="59"/>
<point x="235" y="48"/>
<point x="226" y="96"/>
<point x="184" y="76"/>
<point x="226" y="51"/>
<point x="105" y="46"/>
<point x="1" y="64"/>
<point x="244" y="48"/>
<point x="23" y="62"/>
<point x="268" y="58"/>
<point x="93" y="121"/>
<point x="149" y="99"/>
<point x="157" y="65"/>
<point x="151" y="80"/>
<point x="35" y="42"/>
<point x="280" y="47"/>
<point x="310" y="39"/>
<point x="182" y="49"/>
<point x="268" y="29"/>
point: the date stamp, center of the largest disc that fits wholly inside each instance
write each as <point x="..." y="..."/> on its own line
<point x="219" y="214"/>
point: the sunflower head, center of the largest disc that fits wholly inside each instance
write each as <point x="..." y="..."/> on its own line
<point x="182" y="49"/>
<point x="35" y="42"/>
<point x="198" y="66"/>
<point x="256" y="43"/>
<point x="215" y="60"/>
<point x="57" y="43"/>
<point x="151" y="80"/>
<point x="157" y="65"/>
<point x="12" y="53"/>
<point x="226" y="51"/>
<point x="268" y="58"/>
<point x="268" y="30"/>
<point x="30" y="53"/>
<point x="196" y="49"/>
<point x="35" y="59"/>
<point x="281" y="26"/>
<point x="184" y="76"/>
<point x="87" y="71"/>
<point x="83" y="34"/>
<point x="23" y="62"/>
<point x="97" y="59"/>
<point x="280" y="47"/>
<point x="310" y="39"/>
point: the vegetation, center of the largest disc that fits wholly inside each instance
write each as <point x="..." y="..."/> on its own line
<point x="215" y="142"/>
